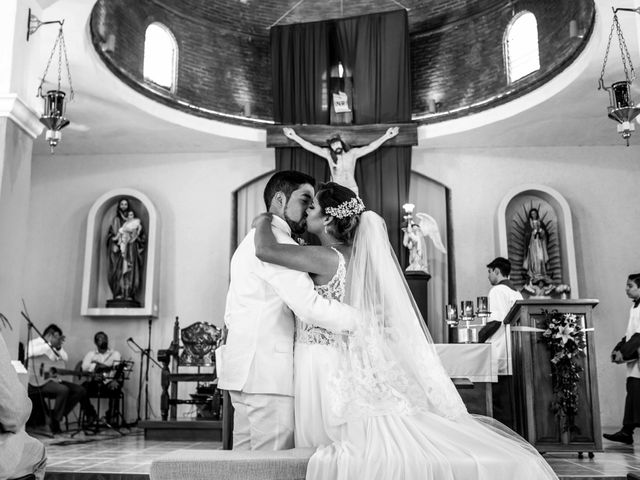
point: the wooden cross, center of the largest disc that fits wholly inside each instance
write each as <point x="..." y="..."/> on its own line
<point x="353" y="135"/>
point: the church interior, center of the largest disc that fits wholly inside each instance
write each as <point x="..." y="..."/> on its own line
<point x="177" y="107"/>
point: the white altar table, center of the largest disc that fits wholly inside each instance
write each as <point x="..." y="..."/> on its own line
<point x="468" y="364"/>
<point x="469" y="360"/>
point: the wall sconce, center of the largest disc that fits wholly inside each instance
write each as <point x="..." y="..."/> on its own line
<point x="621" y="108"/>
<point x="53" y="116"/>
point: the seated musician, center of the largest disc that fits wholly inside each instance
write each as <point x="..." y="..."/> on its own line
<point x="105" y="383"/>
<point x="47" y="366"/>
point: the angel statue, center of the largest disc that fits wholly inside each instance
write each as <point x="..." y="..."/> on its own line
<point x="414" y="239"/>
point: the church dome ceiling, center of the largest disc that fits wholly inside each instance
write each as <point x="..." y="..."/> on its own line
<point x="458" y="59"/>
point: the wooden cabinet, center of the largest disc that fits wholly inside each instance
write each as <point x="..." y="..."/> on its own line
<point x="533" y="390"/>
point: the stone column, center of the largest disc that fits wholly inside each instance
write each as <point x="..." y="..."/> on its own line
<point x="19" y="127"/>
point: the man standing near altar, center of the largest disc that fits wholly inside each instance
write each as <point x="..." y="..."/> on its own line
<point x="256" y="363"/>
<point x="502" y="296"/>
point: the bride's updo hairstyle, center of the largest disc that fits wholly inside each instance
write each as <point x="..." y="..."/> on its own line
<point x="344" y="206"/>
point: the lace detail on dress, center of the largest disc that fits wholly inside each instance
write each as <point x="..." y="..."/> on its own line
<point x="333" y="290"/>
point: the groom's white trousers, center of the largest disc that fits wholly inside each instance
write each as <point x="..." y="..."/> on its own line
<point x="262" y="422"/>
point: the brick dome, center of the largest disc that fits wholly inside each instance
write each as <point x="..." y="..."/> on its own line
<point x="224" y="68"/>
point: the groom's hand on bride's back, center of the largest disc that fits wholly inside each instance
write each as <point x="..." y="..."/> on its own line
<point x="263" y="217"/>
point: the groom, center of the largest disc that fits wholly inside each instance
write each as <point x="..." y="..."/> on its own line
<point x="256" y="363"/>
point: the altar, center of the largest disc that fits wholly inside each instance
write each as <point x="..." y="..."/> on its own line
<point x="472" y="369"/>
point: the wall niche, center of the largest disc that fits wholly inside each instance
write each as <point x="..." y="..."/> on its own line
<point x="120" y="277"/>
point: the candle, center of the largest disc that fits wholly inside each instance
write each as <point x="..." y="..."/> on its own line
<point x="408" y="208"/>
<point x="482" y="304"/>
<point x="467" y="308"/>
<point x="450" y="313"/>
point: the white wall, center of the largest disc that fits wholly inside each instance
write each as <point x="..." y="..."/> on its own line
<point x="193" y="196"/>
<point x="601" y="187"/>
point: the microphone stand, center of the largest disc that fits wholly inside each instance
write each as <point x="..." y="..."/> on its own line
<point x="30" y="327"/>
<point x="146" y="375"/>
<point x="143" y="353"/>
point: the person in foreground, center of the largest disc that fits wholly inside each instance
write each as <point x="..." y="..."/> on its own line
<point x="377" y="403"/>
<point x="20" y="454"/>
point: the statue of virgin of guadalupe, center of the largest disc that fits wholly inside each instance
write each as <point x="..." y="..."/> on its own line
<point x="536" y="254"/>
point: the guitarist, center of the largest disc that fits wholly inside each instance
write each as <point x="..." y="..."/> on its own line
<point x="44" y="380"/>
<point x="101" y="362"/>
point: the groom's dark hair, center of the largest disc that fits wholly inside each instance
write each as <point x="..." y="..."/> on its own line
<point x="285" y="181"/>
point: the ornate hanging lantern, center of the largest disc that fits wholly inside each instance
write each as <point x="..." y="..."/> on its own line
<point x="53" y="117"/>
<point x="621" y="108"/>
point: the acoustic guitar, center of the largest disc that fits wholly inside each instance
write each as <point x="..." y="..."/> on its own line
<point x="43" y="369"/>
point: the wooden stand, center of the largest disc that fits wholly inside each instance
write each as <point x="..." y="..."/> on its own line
<point x="418" y="283"/>
<point x="532" y="379"/>
<point x="170" y="428"/>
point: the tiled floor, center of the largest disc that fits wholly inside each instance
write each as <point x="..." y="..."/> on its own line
<point x="129" y="458"/>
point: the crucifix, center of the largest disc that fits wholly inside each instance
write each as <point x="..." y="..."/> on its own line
<point x="342" y="146"/>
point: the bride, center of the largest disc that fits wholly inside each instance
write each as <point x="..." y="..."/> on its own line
<point x="376" y="403"/>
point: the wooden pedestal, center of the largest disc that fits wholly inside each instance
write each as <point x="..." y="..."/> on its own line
<point x="535" y="420"/>
<point x="418" y="282"/>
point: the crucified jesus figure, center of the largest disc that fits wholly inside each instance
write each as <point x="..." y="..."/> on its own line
<point x="341" y="158"/>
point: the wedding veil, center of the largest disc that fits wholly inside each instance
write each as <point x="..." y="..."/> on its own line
<point x="390" y="364"/>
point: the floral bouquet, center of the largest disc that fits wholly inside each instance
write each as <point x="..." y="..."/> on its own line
<point x="565" y="339"/>
<point x="563" y="290"/>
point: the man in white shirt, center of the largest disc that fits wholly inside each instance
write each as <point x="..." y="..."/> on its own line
<point x="626" y="352"/>
<point x="256" y="363"/>
<point x="46" y="365"/>
<point x="20" y="454"/>
<point x="502" y="296"/>
<point x="101" y="363"/>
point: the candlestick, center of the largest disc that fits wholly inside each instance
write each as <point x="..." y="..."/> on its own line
<point x="466" y="307"/>
<point x="451" y="314"/>
<point x="482" y="304"/>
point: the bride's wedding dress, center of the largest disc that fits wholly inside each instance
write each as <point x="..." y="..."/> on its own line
<point x="377" y="404"/>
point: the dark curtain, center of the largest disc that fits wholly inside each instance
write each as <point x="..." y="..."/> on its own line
<point x="375" y="50"/>
<point x="300" y="58"/>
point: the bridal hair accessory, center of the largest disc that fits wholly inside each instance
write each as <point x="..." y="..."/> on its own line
<point x="346" y="209"/>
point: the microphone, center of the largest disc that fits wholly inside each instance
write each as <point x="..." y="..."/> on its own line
<point x="129" y="339"/>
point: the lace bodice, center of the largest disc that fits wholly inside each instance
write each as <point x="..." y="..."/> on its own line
<point x="333" y="290"/>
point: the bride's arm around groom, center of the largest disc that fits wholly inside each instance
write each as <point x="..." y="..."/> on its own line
<point x="256" y="363"/>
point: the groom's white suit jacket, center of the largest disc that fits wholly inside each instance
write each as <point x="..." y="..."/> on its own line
<point x="258" y="354"/>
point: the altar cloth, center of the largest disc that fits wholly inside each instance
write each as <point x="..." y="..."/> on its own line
<point x="469" y="360"/>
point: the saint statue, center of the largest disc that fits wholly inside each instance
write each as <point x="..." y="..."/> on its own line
<point x="415" y="234"/>
<point x="535" y="255"/>
<point x="126" y="242"/>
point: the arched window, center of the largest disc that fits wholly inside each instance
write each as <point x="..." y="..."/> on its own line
<point x="521" y="46"/>
<point x="160" y="56"/>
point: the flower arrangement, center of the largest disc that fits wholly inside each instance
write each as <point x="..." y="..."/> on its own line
<point x="563" y="290"/>
<point x="565" y="339"/>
